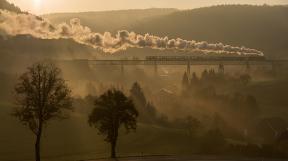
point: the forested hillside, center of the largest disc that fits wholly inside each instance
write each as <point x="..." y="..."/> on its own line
<point x="261" y="27"/>
<point x="111" y="20"/>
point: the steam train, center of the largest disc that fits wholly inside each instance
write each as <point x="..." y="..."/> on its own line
<point x="206" y="58"/>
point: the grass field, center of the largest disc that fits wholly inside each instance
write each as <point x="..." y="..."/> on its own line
<point x="190" y="158"/>
<point x="73" y="139"/>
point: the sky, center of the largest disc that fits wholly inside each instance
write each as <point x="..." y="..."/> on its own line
<point x="50" y="6"/>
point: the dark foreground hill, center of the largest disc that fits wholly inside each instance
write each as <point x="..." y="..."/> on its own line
<point x="193" y="158"/>
<point x="19" y="51"/>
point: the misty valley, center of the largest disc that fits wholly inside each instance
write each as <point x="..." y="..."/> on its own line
<point x="144" y="84"/>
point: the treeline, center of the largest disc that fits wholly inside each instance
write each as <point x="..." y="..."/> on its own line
<point x="240" y="117"/>
<point x="148" y="113"/>
<point x="210" y="80"/>
<point x="211" y="137"/>
<point x="42" y="95"/>
<point x="220" y="87"/>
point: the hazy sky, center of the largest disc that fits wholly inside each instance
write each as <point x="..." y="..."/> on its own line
<point x="48" y="6"/>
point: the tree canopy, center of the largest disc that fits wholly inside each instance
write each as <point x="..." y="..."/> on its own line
<point x="41" y="95"/>
<point x="113" y="109"/>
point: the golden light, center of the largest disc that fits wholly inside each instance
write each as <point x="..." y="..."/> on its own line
<point x="37" y="3"/>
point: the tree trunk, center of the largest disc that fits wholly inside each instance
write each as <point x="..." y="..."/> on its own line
<point x="113" y="149"/>
<point x="114" y="138"/>
<point x="37" y="144"/>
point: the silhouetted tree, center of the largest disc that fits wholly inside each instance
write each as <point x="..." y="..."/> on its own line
<point x="245" y="79"/>
<point x="211" y="74"/>
<point x="147" y="109"/>
<point x="218" y="122"/>
<point x="208" y="91"/>
<point x="213" y="141"/>
<point x="113" y="109"/>
<point x="282" y="141"/>
<point x="164" y="121"/>
<point x="151" y="112"/>
<point x="221" y="69"/>
<point x="185" y="81"/>
<point x="251" y="104"/>
<point x="204" y="75"/>
<point x="194" y="83"/>
<point x="194" y="79"/>
<point x="191" y="124"/>
<point x="188" y="123"/>
<point x="137" y="94"/>
<point x="41" y="95"/>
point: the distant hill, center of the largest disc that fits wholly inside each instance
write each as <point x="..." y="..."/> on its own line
<point x="19" y="51"/>
<point x="4" y="4"/>
<point x="110" y="20"/>
<point x="261" y="27"/>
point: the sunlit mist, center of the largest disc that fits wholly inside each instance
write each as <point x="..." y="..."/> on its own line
<point x="48" y="6"/>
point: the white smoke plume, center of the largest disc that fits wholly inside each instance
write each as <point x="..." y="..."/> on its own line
<point x="20" y="24"/>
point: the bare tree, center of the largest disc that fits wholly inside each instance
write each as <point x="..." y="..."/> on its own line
<point x="41" y="95"/>
<point x="113" y="109"/>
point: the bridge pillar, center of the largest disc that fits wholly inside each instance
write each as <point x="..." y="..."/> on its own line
<point x="275" y="69"/>
<point x="248" y="67"/>
<point x="155" y="69"/>
<point x="122" y="69"/>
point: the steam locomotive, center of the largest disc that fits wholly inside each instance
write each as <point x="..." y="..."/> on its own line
<point x="206" y="58"/>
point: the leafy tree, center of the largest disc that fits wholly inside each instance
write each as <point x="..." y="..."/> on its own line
<point x="251" y="106"/>
<point x="113" y="109"/>
<point x="151" y="112"/>
<point x="208" y="91"/>
<point x="192" y="124"/>
<point x="218" y="122"/>
<point x="163" y="121"/>
<point x="194" y="82"/>
<point x="41" y="95"/>
<point x="211" y="73"/>
<point x="213" y="141"/>
<point x="188" y="123"/>
<point x="137" y="94"/>
<point x="282" y="141"/>
<point x="221" y="69"/>
<point x="185" y="81"/>
<point x="194" y="79"/>
<point x="245" y="79"/>
<point x="204" y="75"/>
<point x="147" y="110"/>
